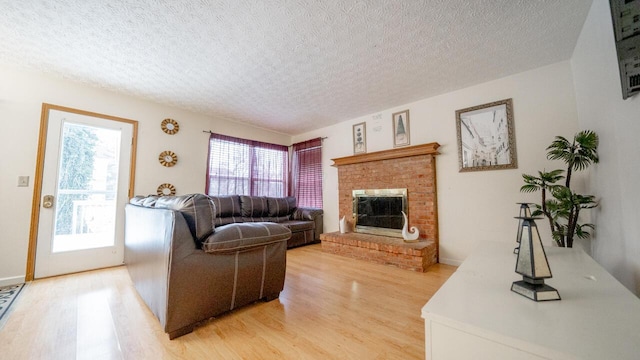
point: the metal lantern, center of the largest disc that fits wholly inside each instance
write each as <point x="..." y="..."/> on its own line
<point x="525" y="212"/>
<point x="532" y="264"/>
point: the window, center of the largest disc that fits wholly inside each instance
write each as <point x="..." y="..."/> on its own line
<point x="307" y="173"/>
<point x="246" y="167"/>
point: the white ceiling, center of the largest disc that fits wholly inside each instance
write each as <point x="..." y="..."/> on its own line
<point x="287" y="65"/>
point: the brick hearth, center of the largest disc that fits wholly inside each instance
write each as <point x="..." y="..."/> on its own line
<point x="416" y="256"/>
<point x="411" y="167"/>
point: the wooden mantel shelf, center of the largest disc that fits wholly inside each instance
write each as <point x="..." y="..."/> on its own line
<point x="424" y="149"/>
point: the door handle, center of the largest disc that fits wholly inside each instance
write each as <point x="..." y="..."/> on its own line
<point x="47" y="201"/>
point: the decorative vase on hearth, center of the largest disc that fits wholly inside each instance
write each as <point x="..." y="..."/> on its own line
<point x="406" y="235"/>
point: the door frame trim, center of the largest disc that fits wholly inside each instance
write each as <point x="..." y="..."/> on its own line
<point x="37" y="183"/>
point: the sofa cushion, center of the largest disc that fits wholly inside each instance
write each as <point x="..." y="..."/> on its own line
<point x="305" y="213"/>
<point x="150" y="201"/>
<point x="281" y="206"/>
<point x="227" y="220"/>
<point x="137" y="200"/>
<point x="227" y="206"/>
<point x="146" y="201"/>
<point x="198" y="210"/>
<point x="239" y="236"/>
<point x="254" y="206"/>
<point x="299" y="225"/>
<point x="274" y="219"/>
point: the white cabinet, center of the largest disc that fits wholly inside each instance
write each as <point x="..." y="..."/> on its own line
<point x="475" y="315"/>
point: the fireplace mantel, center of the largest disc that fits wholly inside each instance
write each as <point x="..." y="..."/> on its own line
<point x="424" y="149"/>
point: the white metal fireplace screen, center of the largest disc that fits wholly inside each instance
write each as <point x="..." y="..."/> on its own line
<point x="379" y="211"/>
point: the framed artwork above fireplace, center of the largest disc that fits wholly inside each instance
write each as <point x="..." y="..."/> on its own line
<point x="401" y="134"/>
<point x="360" y="138"/>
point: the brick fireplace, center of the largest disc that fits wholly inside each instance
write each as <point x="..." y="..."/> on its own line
<point x="413" y="168"/>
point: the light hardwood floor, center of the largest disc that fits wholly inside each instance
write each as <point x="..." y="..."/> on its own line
<point x="332" y="307"/>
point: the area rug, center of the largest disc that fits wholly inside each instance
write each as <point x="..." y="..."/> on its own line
<point x="8" y="295"/>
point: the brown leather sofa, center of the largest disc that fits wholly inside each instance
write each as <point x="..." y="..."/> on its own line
<point x="193" y="257"/>
<point x="305" y="223"/>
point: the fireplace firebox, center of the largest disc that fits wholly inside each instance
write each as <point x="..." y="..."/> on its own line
<point x="379" y="211"/>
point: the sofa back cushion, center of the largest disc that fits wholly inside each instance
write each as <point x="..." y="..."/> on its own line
<point x="219" y="221"/>
<point x="146" y="201"/>
<point x="254" y="206"/>
<point x="281" y="206"/>
<point x="227" y="206"/>
<point x="198" y="210"/>
<point x="240" y="236"/>
<point x="275" y="219"/>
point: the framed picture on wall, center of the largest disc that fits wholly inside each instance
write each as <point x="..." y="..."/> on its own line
<point x="486" y="139"/>
<point x="360" y="138"/>
<point x="401" y="135"/>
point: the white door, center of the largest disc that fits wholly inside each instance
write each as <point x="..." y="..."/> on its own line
<point x="85" y="181"/>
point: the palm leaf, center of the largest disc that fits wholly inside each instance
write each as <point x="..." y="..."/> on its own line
<point x="581" y="231"/>
<point x="536" y="213"/>
<point x="529" y="188"/>
<point x="560" y="149"/>
<point x="551" y="176"/>
<point x="587" y="139"/>
<point x="530" y="179"/>
<point x="577" y="155"/>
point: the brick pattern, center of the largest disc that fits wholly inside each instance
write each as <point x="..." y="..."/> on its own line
<point x="416" y="173"/>
<point x="416" y="256"/>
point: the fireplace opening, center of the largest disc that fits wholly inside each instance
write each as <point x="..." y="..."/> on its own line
<point x="379" y="211"/>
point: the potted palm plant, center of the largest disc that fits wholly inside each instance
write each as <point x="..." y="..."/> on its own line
<point x="562" y="208"/>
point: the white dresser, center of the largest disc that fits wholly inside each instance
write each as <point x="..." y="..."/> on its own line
<point x="475" y="315"/>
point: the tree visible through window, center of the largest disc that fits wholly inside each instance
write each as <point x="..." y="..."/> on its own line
<point x="76" y="171"/>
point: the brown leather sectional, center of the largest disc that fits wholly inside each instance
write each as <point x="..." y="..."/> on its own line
<point x="305" y="223"/>
<point x="194" y="257"/>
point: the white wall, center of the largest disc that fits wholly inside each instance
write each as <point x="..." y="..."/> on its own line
<point x="615" y="179"/>
<point x="477" y="206"/>
<point x="21" y="98"/>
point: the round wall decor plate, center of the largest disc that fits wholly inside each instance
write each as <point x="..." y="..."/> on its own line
<point x="170" y="126"/>
<point x="168" y="158"/>
<point x="166" y="189"/>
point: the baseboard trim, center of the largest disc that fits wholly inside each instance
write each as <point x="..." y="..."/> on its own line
<point x="12" y="280"/>
<point x="450" y="262"/>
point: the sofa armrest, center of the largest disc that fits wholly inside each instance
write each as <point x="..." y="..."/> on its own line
<point x="153" y="239"/>
<point x="314" y="214"/>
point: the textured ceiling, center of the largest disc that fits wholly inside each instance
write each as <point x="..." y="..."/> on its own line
<point x="287" y="65"/>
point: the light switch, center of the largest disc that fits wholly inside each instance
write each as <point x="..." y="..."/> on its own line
<point x="23" y="181"/>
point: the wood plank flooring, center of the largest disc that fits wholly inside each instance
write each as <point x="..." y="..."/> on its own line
<point x="332" y="307"/>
